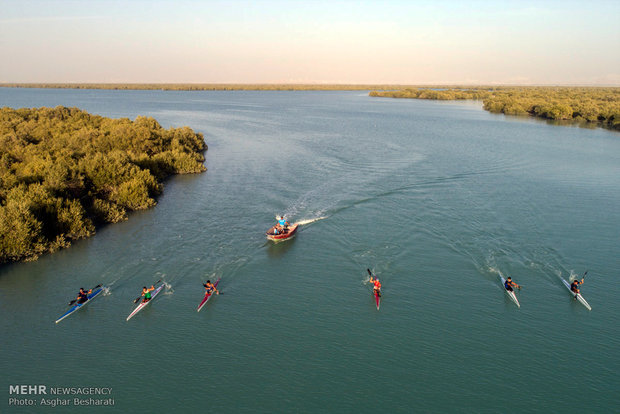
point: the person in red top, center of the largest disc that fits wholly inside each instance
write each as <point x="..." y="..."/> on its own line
<point x="377" y="285"/>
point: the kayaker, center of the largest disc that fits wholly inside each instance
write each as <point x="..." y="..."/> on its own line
<point x="146" y="292"/>
<point x="83" y="295"/>
<point x="377" y="285"/>
<point x="574" y="287"/>
<point x="210" y="287"/>
<point x="509" y="284"/>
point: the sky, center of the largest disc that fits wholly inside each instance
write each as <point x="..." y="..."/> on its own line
<point x="313" y="42"/>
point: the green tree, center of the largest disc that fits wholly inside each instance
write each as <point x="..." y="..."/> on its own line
<point x="64" y="171"/>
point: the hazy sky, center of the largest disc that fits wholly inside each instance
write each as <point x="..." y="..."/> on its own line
<point x="254" y="41"/>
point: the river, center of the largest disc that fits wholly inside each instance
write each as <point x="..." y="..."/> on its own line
<point x="435" y="197"/>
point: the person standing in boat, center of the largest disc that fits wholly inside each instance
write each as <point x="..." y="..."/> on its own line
<point x="377" y="285"/>
<point x="146" y="292"/>
<point x="509" y="284"/>
<point x="210" y="287"/>
<point x="83" y="296"/>
<point x="574" y="287"/>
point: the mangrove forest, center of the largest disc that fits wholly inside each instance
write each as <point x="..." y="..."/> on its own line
<point x="64" y="172"/>
<point x="206" y="86"/>
<point x="592" y="105"/>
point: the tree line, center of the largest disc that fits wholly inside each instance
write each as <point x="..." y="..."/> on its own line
<point x="589" y="105"/>
<point x="64" y="172"/>
<point x="207" y="86"/>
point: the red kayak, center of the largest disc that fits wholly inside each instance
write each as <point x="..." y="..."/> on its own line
<point x="206" y="298"/>
<point x="279" y="236"/>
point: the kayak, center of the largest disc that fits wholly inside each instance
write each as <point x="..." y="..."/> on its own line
<point x="577" y="296"/>
<point x="77" y="307"/>
<point x="143" y="304"/>
<point x="510" y="294"/>
<point x="282" y="236"/>
<point x="206" y="298"/>
<point x="377" y="298"/>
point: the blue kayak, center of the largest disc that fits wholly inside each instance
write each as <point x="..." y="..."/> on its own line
<point x="96" y="291"/>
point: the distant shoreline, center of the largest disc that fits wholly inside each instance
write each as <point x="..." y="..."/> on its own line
<point x="208" y="86"/>
<point x="264" y="86"/>
<point x="599" y="106"/>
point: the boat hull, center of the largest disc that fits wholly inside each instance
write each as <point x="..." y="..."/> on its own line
<point x="282" y="236"/>
<point x="76" y="308"/>
<point x="143" y="304"/>
<point x="578" y="296"/>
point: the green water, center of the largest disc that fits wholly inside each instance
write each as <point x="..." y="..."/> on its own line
<point x="435" y="198"/>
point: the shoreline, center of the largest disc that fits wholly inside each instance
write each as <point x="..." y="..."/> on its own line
<point x="207" y="86"/>
<point x="171" y="86"/>
<point x="66" y="172"/>
<point x="588" y="106"/>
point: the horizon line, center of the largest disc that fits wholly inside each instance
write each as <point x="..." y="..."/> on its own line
<point x="303" y="84"/>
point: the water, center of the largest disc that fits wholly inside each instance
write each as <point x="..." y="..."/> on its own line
<point x="435" y="198"/>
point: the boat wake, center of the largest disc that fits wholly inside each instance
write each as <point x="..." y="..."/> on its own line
<point x="211" y="276"/>
<point x="106" y="291"/>
<point x="308" y="221"/>
<point x="169" y="290"/>
<point x="574" y="276"/>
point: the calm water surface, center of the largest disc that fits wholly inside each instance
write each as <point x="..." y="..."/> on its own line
<point x="436" y="198"/>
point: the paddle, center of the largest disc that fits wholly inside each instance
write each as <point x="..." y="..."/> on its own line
<point x="139" y="297"/>
<point x="370" y="273"/>
<point x="75" y="300"/>
<point x="582" y="277"/>
<point x="371" y="278"/>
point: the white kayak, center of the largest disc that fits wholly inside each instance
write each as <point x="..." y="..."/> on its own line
<point x="511" y="294"/>
<point x="577" y="296"/>
<point x="143" y="304"/>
